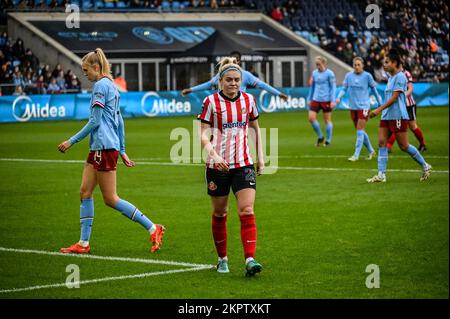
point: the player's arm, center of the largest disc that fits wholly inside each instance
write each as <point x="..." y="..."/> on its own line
<point x="332" y="80"/>
<point x="93" y="123"/>
<point x="258" y="142"/>
<point x="254" y="81"/>
<point x="203" y="86"/>
<point x="373" y="87"/>
<point x="410" y="89"/>
<point x="121" y="132"/>
<point x="388" y="103"/>
<point x="311" y="90"/>
<point x="343" y="91"/>
<point x="205" y="135"/>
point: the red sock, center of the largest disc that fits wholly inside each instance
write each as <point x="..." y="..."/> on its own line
<point x="418" y="133"/>
<point x="248" y="235"/>
<point x="219" y="230"/>
<point x="391" y="140"/>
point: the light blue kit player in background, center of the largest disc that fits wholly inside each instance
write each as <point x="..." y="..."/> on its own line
<point x="357" y="84"/>
<point x="321" y="96"/>
<point x="107" y="141"/>
<point x="248" y="79"/>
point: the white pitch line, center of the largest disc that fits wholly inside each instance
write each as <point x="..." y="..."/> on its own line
<point x="295" y="168"/>
<point x="89" y="256"/>
<point x="92" y="281"/>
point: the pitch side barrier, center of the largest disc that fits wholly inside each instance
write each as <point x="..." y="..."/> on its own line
<point x="170" y="103"/>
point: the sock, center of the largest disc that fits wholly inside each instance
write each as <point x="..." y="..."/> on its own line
<point x="391" y="140"/>
<point x="329" y="130"/>
<point x="367" y="143"/>
<point x="86" y="218"/>
<point x="133" y="213"/>
<point x="248" y="234"/>
<point x="382" y="159"/>
<point x="415" y="154"/>
<point x="418" y="133"/>
<point x="219" y="230"/>
<point x="316" y="127"/>
<point x="359" y="142"/>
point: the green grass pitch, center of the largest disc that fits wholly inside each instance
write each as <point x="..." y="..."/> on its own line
<point x="318" y="226"/>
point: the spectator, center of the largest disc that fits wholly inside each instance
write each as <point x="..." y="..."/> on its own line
<point x="120" y="83"/>
<point x="19" y="90"/>
<point x="277" y="14"/>
<point x="53" y="88"/>
<point x="61" y="80"/>
<point x="40" y="85"/>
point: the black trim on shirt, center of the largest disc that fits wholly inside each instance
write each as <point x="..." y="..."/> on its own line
<point x="251" y="120"/>
<point x="228" y="99"/>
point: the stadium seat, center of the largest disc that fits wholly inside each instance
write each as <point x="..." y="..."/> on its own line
<point x="176" y="6"/>
<point x="165" y="6"/>
<point x="121" y="4"/>
<point x="87" y="4"/>
<point x="99" y="4"/>
<point x="109" y="4"/>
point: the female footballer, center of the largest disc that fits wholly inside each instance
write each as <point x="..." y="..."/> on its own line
<point x="107" y="141"/>
<point x="357" y="84"/>
<point x="322" y="97"/>
<point x="225" y="118"/>
<point x="394" y="118"/>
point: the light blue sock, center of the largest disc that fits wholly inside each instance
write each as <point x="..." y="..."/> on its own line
<point x="382" y="159"/>
<point x="329" y="130"/>
<point x="86" y="218"/>
<point x="133" y="213"/>
<point x="316" y="126"/>
<point x="367" y="143"/>
<point x="415" y="154"/>
<point x="359" y="142"/>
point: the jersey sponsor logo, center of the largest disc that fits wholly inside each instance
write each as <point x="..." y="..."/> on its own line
<point x="23" y="109"/>
<point x="234" y="124"/>
<point x="271" y="103"/>
<point x="244" y="110"/>
<point x="152" y="105"/>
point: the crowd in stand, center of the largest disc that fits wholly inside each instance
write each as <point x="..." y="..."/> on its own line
<point x="420" y="28"/>
<point x="21" y="72"/>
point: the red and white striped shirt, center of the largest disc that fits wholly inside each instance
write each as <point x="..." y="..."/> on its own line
<point x="409" y="99"/>
<point x="229" y="123"/>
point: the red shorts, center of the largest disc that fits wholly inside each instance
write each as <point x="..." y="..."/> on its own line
<point x="395" y="126"/>
<point x="105" y="160"/>
<point x="317" y="106"/>
<point x="359" y="115"/>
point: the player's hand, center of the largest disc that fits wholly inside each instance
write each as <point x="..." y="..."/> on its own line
<point x="259" y="167"/>
<point x="374" y="113"/>
<point x="185" y="92"/>
<point x="338" y="101"/>
<point x="64" y="146"/>
<point x="332" y="105"/>
<point x="283" y="96"/>
<point x="127" y="161"/>
<point x="309" y="103"/>
<point x="222" y="165"/>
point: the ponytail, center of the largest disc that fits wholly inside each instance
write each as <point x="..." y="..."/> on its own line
<point x="98" y="57"/>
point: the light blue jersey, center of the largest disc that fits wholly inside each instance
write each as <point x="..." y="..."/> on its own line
<point x="248" y="79"/>
<point x="397" y="111"/>
<point x="323" y="87"/>
<point x="357" y="86"/>
<point x="105" y="124"/>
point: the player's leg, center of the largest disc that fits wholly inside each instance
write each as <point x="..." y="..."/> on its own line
<point x="244" y="188"/>
<point x="245" y="202"/>
<point x="88" y="184"/>
<point x="219" y="184"/>
<point x="107" y="182"/>
<point x="328" y="125"/>
<point x="418" y="134"/>
<point x="219" y="230"/>
<point x="391" y="141"/>
<point x="361" y="139"/>
<point x="312" y="117"/>
<point x="403" y="143"/>
<point x="383" y="132"/>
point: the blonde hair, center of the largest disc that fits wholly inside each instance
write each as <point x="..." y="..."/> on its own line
<point x="321" y="59"/>
<point x="358" y="58"/>
<point x="228" y="64"/>
<point x="98" y="57"/>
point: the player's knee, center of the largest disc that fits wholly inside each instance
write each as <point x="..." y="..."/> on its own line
<point x="85" y="193"/>
<point x="412" y="126"/>
<point x="403" y="147"/>
<point x="246" y="210"/>
<point x="220" y="212"/>
<point x="110" y="200"/>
